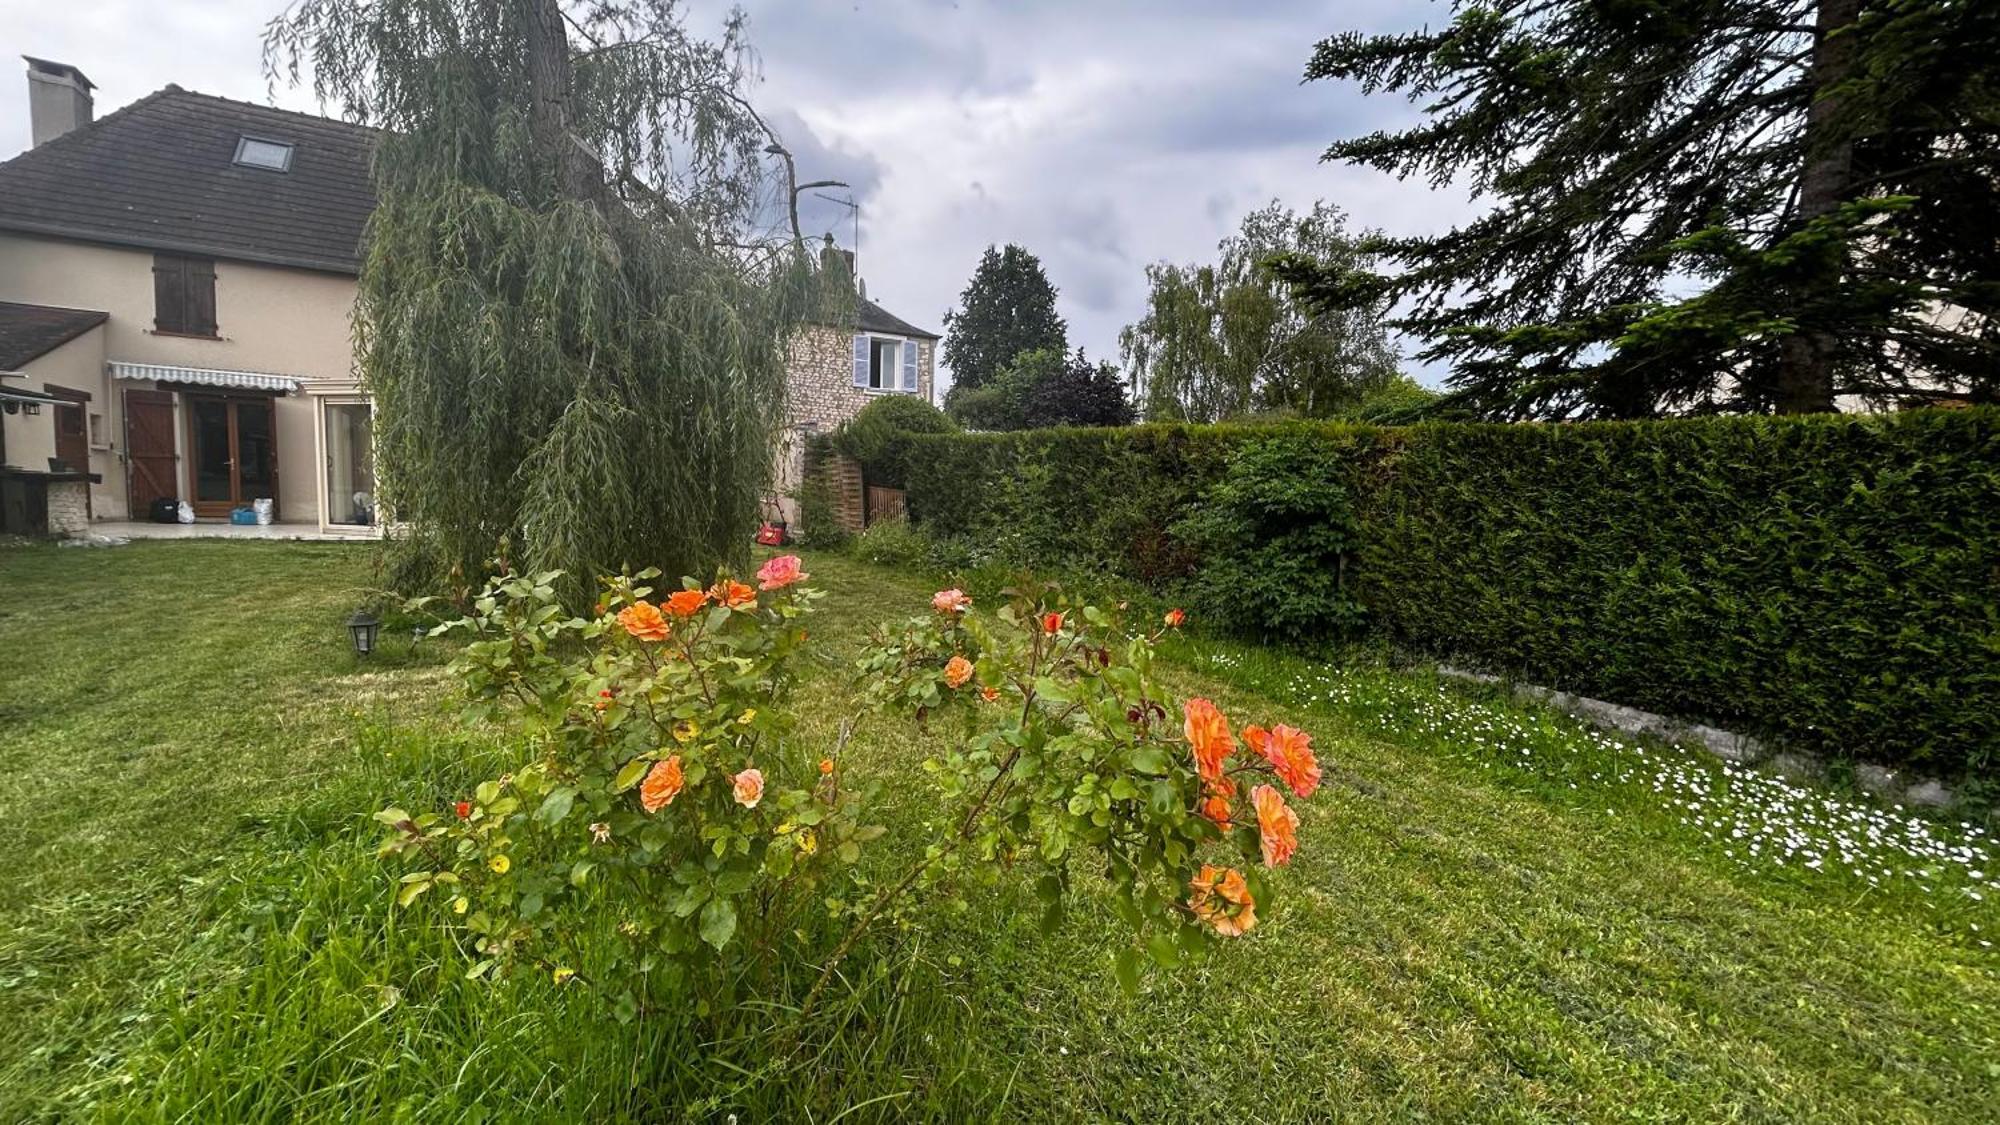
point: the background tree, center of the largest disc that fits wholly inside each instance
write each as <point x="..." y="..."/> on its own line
<point x="1073" y="391"/>
<point x="1223" y="340"/>
<point x="1007" y="308"/>
<point x="1043" y="387"/>
<point x="571" y="337"/>
<point x="1399" y="402"/>
<point x="1730" y="205"/>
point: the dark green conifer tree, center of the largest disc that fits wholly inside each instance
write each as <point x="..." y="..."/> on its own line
<point x="1745" y="205"/>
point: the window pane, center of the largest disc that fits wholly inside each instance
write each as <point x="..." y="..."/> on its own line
<point x="884" y="370"/>
<point x="211" y="449"/>
<point x="272" y="155"/>
<point x="350" y="466"/>
<point x="256" y="451"/>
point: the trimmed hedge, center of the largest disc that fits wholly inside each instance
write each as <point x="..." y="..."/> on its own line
<point x="1831" y="580"/>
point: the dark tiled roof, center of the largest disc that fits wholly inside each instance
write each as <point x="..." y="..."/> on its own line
<point x="161" y="174"/>
<point x="28" y="332"/>
<point x="871" y="317"/>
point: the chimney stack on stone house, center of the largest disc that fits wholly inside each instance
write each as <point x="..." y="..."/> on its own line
<point x="58" y="99"/>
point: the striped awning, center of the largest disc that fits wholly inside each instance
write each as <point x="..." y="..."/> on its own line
<point x="242" y="380"/>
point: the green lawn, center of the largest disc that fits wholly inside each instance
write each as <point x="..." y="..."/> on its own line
<point x="1494" y="913"/>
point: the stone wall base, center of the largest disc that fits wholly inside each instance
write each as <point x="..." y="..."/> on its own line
<point x="69" y="508"/>
<point x="1738" y="749"/>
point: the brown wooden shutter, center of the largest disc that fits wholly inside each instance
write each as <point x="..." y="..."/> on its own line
<point x="201" y="296"/>
<point x="170" y="286"/>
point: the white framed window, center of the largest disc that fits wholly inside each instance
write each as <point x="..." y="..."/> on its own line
<point x="885" y="364"/>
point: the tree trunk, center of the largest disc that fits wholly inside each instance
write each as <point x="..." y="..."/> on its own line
<point x="1805" y="363"/>
<point x="549" y="87"/>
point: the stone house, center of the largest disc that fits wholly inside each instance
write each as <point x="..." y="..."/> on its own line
<point x="836" y="369"/>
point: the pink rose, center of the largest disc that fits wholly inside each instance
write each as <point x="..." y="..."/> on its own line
<point x="750" y="784"/>
<point x="780" y="573"/>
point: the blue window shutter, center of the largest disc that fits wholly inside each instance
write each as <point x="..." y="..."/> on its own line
<point x="910" y="366"/>
<point x="861" y="361"/>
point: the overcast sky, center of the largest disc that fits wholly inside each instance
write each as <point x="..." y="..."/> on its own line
<point x="1101" y="135"/>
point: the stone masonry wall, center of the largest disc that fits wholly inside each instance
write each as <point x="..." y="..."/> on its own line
<point x="823" y="394"/>
<point x="69" y="511"/>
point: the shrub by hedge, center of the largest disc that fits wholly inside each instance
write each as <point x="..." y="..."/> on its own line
<point x="870" y="437"/>
<point x="1831" y="580"/>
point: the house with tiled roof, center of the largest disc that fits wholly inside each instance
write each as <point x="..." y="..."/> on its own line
<point x="177" y="280"/>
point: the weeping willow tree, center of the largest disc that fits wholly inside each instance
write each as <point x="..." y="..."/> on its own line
<point x="570" y="322"/>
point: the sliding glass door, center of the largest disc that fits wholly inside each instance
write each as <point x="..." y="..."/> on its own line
<point x="350" y="464"/>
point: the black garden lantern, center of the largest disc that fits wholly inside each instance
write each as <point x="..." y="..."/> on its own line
<point x="361" y="627"/>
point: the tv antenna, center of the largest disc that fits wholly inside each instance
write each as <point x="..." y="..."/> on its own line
<point x="853" y="205"/>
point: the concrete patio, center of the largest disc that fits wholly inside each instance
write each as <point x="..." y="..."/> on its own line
<point x="222" y="529"/>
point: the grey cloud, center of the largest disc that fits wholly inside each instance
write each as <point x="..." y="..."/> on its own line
<point x="1101" y="135"/>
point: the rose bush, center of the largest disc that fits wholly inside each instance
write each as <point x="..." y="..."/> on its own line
<point x="1068" y="756"/>
<point x="664" y="801"/>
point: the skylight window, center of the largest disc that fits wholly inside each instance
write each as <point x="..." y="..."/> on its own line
<point x="272" y="156"/>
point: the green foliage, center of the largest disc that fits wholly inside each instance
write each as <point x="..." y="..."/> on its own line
<point x="1228" y="340"/>
<point x="1275" y="537"/>
<point x="1399" y="402"/>
<point x="818" y="526"/>
<point x="894" y="543"/>
<point x="1070" y="759"/>
<point x="562" y="348"/>
<point x="1007" y="308"/>
<point x="1827" y="580"/>
<point x="1745" y="206"/>
<point x="870" y="436"/>
<point x="663" y="798"/>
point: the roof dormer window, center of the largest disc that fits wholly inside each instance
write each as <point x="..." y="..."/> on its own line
<point x="272" y="156"/>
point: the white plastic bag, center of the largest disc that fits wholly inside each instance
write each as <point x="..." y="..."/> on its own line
<point x="186" y="513"/>
<point x="262" y="507"/>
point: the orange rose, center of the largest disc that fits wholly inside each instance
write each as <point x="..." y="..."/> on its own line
<point x="1277" y="826"/>
<point x="1221" y="897"/>
<point x="643" y="620"/>
<point x="1174" y="618"/>
<point x="826" y="765"/>
<point x="780" y="573"/>
<point x="663" y="783"/>
<point x="950" y="601"/>
<point x="1215" y="803"/>
<point x="1289" y="750"/>
<point x="957" y="671"/>
<point x="734" y="594"/>
<point x="686" y="603"/>
<point x="1052" y="622"/>
<point x="989" y="694"/>
<point x="1208" y="733"/>
<point x="749" y="787"/>
<point x="1257" y="738"/>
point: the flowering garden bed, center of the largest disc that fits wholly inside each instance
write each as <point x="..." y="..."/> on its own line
<point x="1490" y="911"/>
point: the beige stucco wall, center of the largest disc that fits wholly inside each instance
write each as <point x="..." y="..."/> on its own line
<point x="270" y="319"/>
<point x="77" y="365"/>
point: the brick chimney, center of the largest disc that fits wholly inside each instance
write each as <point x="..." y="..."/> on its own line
<point x="58" y="99"/>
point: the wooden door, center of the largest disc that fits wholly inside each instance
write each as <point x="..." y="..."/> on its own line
<point x="72" y="432"/>
<point x="149" y="450"/>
